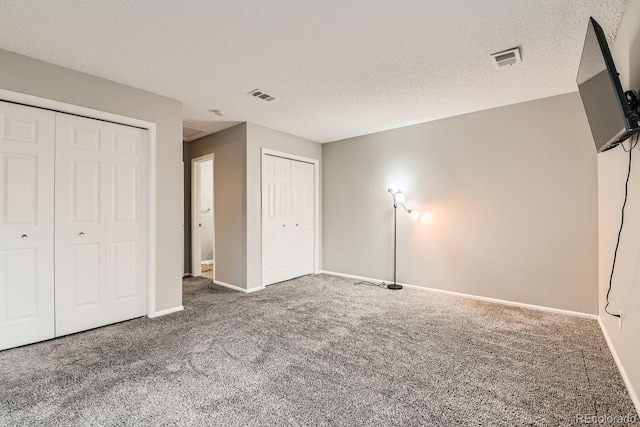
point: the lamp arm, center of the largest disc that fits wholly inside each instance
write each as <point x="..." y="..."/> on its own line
<point x="395" y="205"/>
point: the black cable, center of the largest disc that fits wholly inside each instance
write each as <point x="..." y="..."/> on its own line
<point x="364" y="282"/>
<point x="632" y="145"/>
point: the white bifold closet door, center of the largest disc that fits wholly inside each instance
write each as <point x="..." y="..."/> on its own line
<point x="302" y="215"/>
<point x="287" y="219"/>
<point x="26" y="225"/>
<point x="101" y="207"/>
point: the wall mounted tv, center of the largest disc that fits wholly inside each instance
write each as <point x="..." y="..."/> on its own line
<point x="612" y="113"/>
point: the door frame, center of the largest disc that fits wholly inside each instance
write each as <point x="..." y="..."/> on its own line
<point x="196" y="266"/>
<point x="63" y="107"/>
<point x="316" y="202"/>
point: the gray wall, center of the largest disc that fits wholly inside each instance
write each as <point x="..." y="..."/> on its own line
<point x="257" y="138"/>
<point x="30" y="76"/>
<point x="612" y="171"/>
<point x="508" y="197"/>
<point x="229" y="168"/>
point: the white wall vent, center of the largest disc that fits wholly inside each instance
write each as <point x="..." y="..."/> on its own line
<point x="506" y="57"/>
<point x="261" y="95"/>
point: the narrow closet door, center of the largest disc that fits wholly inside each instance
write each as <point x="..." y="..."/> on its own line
<point x="276" y="208"/>
<point x="302" y="218"/>
<point x="26" y="225"/>
<point x="82" y="186"/>
<point x="126" y="239"/>
<point x="100" y="230"/>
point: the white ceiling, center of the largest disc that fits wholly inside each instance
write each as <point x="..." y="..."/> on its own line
<point x="338" y="68"/>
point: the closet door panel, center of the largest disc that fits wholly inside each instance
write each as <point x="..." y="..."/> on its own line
<point x="85" y="275"/>
<point x="82" y="180"/>
<point x="20" y="201"/>
<point x="302" y="220"/>
<point x="19" y="266"/>
<point x="276" y="212"/>
<point x="126" y="228"/>
<point x="101" y="230"/>
<point x="85" y="191"/>
<point x="26" y="225"/>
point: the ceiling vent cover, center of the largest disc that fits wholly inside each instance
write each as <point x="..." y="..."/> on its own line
<point x="506" y="57"/>
<point x="261" y="95"/>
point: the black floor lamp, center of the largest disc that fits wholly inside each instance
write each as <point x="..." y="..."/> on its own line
<point x="398" y="200"/>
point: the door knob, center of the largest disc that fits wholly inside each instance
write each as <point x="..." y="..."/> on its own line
<point x="24" y="237"/>
<point x="296" y="225"/>
<point x="284" y="225"/>
<point x="81" y="234"/>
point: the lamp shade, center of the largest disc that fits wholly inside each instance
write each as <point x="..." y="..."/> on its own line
<point x="400" y="198"/>
<point x="414" y="215"/>
<point x="393" y="188"/>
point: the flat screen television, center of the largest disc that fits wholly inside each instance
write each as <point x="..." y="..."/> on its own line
<point x="611" y="117"/>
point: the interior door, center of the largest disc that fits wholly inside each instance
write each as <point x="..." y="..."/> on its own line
<point x="26" y="225"/>
<point x="100" y="230"/>
<point x="276" y="207"/>
<point x="302" y="218"/>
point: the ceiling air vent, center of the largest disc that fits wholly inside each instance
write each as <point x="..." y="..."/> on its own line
<point x="261" y="95"/>
<point x="506" y="57"/>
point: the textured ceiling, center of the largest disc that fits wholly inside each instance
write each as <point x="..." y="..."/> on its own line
<point x="337" y="68"/>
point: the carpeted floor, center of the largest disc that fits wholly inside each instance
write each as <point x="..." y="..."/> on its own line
<point x="318" y="351"/>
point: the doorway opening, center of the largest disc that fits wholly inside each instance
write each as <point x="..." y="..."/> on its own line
<point x="202" y="217"/>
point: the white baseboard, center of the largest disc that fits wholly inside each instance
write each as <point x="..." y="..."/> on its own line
<point x="165" y="312"/>
<point x="207" y="262"/>
<point x="475" y="297"/>
<point x="238" y="288"/>
<point x="623" y="372"/>
<point x="228" y="285"/>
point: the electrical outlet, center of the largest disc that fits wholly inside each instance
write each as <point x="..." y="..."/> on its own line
<point x="620" y="319"/>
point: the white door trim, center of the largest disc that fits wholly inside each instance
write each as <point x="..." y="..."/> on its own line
<point x="196" y="263"/>
<point x="316" y="201"/>
<point x="63" y="107"/>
